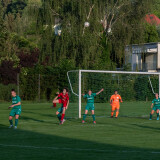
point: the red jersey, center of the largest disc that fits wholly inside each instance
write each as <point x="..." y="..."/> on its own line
<point x="63" y="97"/>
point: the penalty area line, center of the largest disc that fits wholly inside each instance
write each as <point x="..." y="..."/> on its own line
<point x="75" y="149"/>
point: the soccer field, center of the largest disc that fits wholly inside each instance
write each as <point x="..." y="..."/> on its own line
<point x="39" y="137"/>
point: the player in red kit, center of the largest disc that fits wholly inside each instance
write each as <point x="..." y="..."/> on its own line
<point x="62" y="98"/>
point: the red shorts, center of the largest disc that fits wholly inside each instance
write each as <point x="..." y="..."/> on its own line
<point x="63" y="102"/>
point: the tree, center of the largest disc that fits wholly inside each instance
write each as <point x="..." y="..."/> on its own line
<point x="8" y="73"/>
<point x="28" y="59"/>
<point x="151" y="34"/>
<point x="57" y="29"/>
<point x="155" y="7"/>
<point x="121" y="22"/>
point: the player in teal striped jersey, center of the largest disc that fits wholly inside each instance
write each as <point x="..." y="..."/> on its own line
<point x="90" y="104"/>
<point x="155" y="106"/>
<point x="16" y="109"/>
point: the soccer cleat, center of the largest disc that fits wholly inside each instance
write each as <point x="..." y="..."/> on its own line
<point x="15" y="127"/>
<point x="63" y="120"/>
<point x="83" y="121"/>
<point x="150" y="119"/>
<point x="94" y="122"/>
<point x="11" y="126"/>
<point x="116" y="117"/>
<point x="111" y="116"/>
<point x="157" y="118"/>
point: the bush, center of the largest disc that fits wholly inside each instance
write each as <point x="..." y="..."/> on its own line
<point x="5" y="94"/>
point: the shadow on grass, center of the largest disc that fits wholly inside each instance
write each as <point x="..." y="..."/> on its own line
<point x="37" y="120"/>
<point x="22" y="144"/>
<point x="147" y="127"/>
<point x="41" y="114"/>
<point x="47" y="115"/>
<point x="29" y="118"/>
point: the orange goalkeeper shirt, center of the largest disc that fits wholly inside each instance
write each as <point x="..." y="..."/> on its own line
<point x="115" y="99"/>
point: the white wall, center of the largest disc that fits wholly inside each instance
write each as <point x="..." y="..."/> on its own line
<point x="133" y="55"/>
<point x="134" y="61"/>
<point x="151" y="61"/>
<point x="158" y="57"/>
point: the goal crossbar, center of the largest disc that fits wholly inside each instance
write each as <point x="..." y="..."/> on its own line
<point x="118" y="72"/>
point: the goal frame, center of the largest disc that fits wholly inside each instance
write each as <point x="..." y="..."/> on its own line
<point x="101" y="71"/>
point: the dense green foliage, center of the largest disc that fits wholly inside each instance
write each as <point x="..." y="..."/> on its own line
<point x="155" y="8"/>
<point x="48" y="37"/>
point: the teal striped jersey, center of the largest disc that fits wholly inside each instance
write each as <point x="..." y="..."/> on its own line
<point x="15" y="100"/>
<point x="156" y="102"/>
<point x="90" y="98"/>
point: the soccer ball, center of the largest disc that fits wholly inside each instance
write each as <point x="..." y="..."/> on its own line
<point x="86" y="24"/>
<point x="59" y="32"/>
<point x="109" y="30"/>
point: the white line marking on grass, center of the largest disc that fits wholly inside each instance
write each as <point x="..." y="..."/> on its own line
<point x="75" y="149"/>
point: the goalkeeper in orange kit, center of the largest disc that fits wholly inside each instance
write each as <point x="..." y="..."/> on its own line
<point x="115" y="103"/>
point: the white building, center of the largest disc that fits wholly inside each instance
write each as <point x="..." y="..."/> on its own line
<point x="143" y="57"/>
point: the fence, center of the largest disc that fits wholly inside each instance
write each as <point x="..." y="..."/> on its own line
<point x="35" y="87"/>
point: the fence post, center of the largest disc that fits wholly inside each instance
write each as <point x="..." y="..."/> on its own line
<point x="18" y="83"/>
<point x="39" y="87"/>
<point x="159" y="86"/>
<point x="80" y="92"/>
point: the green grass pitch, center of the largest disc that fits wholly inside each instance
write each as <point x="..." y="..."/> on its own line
<point x="39" y="137"/>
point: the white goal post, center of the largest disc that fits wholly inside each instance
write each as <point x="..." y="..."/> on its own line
<point x="79" y="94"/>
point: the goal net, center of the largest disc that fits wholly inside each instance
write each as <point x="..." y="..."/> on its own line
<point x="137" y="90"/>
